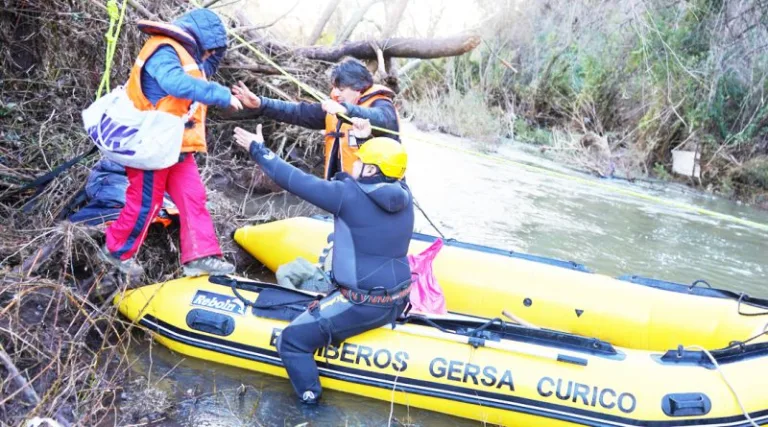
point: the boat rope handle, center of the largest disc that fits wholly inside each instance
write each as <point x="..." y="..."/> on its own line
<point x="743" y="313"/>
<point x="725" y="380"/>
<point x="699" y="282"/>
<point x="115" y="17"/>
<point x="531" y="168"/>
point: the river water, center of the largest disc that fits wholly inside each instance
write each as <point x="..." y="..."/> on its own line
<point x="478" y="200"/>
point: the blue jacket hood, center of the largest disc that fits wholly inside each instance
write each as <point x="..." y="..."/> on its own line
<point x="390" y="196"/>
<point x="206" y="27"/>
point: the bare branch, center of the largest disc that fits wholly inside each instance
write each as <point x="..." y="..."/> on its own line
<point x="275" y="21"/>
<point x="322" y="21"/>
<point x="15" y="376"/>
<point x="141" y="9"/>
<point x="353" y="21"/>
<point x="258" y="68"/>
<point x="393" y="19"/>
<point x="411" y="65"/>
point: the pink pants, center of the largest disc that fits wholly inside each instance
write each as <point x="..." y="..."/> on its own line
<point x="143" y="199"/>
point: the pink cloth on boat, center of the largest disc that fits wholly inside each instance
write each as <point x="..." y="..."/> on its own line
<point x="426" y="294"/>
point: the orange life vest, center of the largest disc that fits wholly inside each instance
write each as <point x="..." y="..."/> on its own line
<point x="337" y="141"/>
<point x="194" y="135"/>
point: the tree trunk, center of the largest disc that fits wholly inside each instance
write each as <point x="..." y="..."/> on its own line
<point x="397" y="47"/>
<point x="322" y="21"/>
<point x="393" y="19"/>
<point x="353" y="21"/>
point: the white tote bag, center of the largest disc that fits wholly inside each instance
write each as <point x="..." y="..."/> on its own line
<point x="147" y="140"/>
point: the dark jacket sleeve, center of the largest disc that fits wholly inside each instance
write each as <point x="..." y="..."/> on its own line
<point x="165" y="67"/>
<point x="381" y="114"/>
<point x="302" y="114"/>
<point x="326" y="195"/>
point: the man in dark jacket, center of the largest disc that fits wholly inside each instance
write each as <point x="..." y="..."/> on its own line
<point x="373" y="224"/>
<point x="353" y="94"/>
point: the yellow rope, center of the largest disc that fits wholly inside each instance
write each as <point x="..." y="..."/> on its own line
<point x="647" y="197"/>
<point x="115" y="17"/>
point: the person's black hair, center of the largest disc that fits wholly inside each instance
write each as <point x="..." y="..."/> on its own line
<point x="351" y="73"/>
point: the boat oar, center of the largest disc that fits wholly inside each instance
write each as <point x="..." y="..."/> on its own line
<point x="431" y="332"/>
<point x="504" y="345"/>
<point x="509" y="315"/>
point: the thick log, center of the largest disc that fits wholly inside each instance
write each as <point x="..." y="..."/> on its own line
<point x="398" y="47"/>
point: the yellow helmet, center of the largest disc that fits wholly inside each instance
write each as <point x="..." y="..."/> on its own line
<point x="386" y="153"/>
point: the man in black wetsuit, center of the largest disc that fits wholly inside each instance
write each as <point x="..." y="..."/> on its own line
<point x="373" y="224"/>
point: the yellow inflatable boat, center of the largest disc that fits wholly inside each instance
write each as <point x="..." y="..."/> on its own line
<point x="497" y="373"/>
<point x="629" y="311"/>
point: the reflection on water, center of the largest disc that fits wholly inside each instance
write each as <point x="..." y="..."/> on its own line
<point x="481" y="201"/>
<point x="212" y="395"/>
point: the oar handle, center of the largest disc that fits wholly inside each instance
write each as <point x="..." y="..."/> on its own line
<point x="509" y="315"/>
<point x="498" y="345"/>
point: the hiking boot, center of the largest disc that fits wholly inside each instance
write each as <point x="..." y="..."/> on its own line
<point x="212" y="266"/>
<point x="309" y="398"/>
<point x="128" y="266"/>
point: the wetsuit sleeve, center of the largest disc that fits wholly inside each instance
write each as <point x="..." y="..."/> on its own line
<point x="381" y="113"/>
<point x="165" y="67"/>
<point x="302" y="114"/>
<point x="326" y="195"/>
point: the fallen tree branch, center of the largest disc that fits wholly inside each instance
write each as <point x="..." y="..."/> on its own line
<point x="258" y="68"/>
<point x="29" y="393"/>
<point x="31" y="264"/>
<point x="99" y="5"/>
<point x="273" y="88"/>
<point x="398" y="47"/>
<point x="402" y="47"/>
<point x="143" y="10"/>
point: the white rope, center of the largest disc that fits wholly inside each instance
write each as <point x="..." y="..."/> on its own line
<point x="725" y="380"/>
<point x="394" y="386"/>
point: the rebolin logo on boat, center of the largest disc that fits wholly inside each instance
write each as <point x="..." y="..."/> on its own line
<point x="219" y="302"/>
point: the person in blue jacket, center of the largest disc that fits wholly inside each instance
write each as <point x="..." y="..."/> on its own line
<point x="373" y="223"/>
<point x="171" y="73"/>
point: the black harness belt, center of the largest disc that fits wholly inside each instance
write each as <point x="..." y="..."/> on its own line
<point x="378" y="295"/>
